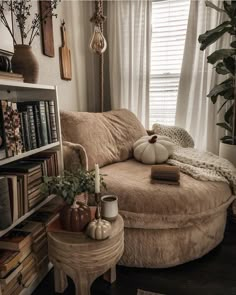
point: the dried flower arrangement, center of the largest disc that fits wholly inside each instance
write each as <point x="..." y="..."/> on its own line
<point x="21" y="11"/>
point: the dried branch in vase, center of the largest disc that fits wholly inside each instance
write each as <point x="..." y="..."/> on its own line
<point x="29" y="27"/>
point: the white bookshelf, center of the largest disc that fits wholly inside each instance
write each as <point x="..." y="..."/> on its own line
<point x="19" y="91"/>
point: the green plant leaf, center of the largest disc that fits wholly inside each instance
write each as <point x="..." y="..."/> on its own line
<point x="221" y="69"/>
<point x="220" y="55"/>
<point x="210" y="4"/>
<point x="226" y="138"/>
<point x="213" y="35"/>
<point x="228" y="9"/>
<point x="228" y="115"/>
<point x="223" y="104"/>
<point x="233" y="44"/>
<point x="214" y="98"/>
<point x="229" y="63"/>
<point x="225" y="126"/>
<point x="229" y="94"/>
<point x="221" y="88"/>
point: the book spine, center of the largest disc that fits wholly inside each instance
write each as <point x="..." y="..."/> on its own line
<point x="5" y="208"/>
<point x="32" y="126"/>
<point x="52" y="118"/>
<point x="16" y="128"/>
<point x="37" y="125"/>
<point x="3" y="153"/>
<point x="22" y="133"/>
<point x="48" y="122"/>
<point x="7" y="126"/>
<point x="26" y="131"/>
<point x="43" y="123"/>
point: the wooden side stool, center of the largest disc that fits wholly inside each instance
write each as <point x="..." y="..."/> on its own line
<point x="84" y="259"/>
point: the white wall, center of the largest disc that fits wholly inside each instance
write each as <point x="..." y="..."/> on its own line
<point x="49" y="68"/>
<point x="71" y="97"/>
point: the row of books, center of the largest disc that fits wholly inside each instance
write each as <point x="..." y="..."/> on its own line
<point x="21" y="182"/>
<point x="24" y="252"/>
<point x="25" y="126"/>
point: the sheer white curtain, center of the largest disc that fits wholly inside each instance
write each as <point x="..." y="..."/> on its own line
<point x="195" y="112"/>
<point x="129" y="39"/>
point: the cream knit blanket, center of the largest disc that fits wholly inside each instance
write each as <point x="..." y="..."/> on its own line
<point x="203" y="165"/>
<point x="200" y="165"/>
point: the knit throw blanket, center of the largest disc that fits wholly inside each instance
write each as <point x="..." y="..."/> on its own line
<point x="200" y="165"/>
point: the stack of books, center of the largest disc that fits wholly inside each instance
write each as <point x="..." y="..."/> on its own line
<point x="25" y="126"/>
<point x="19" y="258"/>
<point x="39" y="244"/>
<point x="23" y="185"/>
<point x="24" y="251"/>
<point x="29" y="179"/>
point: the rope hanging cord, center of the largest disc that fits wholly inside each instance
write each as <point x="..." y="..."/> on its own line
<point x="98" y="19"/>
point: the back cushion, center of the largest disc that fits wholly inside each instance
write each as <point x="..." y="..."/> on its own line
<point x="107" y="137"/>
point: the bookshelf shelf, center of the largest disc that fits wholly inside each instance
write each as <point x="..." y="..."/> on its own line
<point x="29" y="153"/>
<point x="28" y="214"/>
<point x="17" y="85"/>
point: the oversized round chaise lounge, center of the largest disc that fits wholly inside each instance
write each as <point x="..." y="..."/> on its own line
<point x="165" y="225"/>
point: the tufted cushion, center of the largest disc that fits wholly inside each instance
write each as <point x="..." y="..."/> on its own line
<point x="107" y="137"/>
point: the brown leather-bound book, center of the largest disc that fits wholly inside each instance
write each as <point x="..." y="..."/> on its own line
<point x="165" y="173"/>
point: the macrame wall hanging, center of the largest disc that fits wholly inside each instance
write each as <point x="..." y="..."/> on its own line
<point x="98" y="44"/>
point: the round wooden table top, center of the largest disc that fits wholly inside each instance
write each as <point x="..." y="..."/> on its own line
<point x="75" y="238"/>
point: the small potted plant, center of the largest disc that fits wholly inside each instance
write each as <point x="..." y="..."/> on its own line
<point x="75" y="215"/>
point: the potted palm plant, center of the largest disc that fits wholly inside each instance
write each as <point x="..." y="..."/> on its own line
<point x="223" y="60"/>
<point x="76" y="214"/>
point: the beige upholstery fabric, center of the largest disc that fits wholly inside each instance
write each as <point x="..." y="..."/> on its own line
<point x="166" y="225"/>
<point x="130" y="180"/>
<point x="75" y="156"/>
<point x="107" y="137"/>
<point x="161" y="248"/>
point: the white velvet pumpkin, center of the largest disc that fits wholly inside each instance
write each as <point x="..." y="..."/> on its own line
<point x="153" y="149"/>
<point x="99" y="229"/>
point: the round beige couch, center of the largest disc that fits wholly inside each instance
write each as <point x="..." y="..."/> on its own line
<point x="165" y="225"/>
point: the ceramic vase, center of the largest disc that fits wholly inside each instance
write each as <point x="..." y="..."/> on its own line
<point x="24" y="62"/>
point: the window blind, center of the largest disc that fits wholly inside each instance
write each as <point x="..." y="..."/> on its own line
<point x="169" y="25"/>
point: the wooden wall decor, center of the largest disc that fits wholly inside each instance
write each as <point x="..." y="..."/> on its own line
<point x="65" y="56"/>
<point x="47" y="29"/>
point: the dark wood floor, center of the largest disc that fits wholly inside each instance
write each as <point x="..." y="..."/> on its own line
<point x="214" y="274"/>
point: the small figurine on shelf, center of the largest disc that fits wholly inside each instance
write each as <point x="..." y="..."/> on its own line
<point x="75" y="215"/>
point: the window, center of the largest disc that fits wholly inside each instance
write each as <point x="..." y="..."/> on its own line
<point x="169" y="25"/>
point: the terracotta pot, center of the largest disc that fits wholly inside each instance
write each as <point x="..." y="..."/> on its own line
<point x="75" y="218"/>
<point x="24" y="62"/>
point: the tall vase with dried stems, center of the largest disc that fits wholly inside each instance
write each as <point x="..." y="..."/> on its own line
<point x="24" y="62"/>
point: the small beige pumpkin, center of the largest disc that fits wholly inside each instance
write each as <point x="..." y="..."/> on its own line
<point x="153" y="149"/>
<point x="99" y="229"/>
